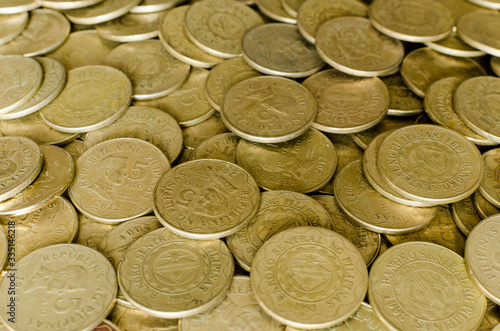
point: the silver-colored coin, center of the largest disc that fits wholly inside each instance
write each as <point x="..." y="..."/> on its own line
<point x="131" y="27"/>
<point x="274" y="10"/>
<point x="101" y="12"/>
<point x="17" y="6"/>
<point x="67" y="4"/>
<point x="12" y="25"/>
<point x="153" y="6"/>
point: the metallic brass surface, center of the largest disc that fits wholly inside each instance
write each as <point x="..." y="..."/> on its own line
<point x="490" y="185"/>
<point x="403" y="101"/>
<point x="194" y="135"/>
<point x="465" y="215"/>
<point x="483" y="207"/>
<point x="132" y="319"/>
<point x="11" y="26"/>
<point x="480" y="30"/>
<point x="221" y="146"/>
<point x="101" y="12"/>
<point x="131" y="27"/>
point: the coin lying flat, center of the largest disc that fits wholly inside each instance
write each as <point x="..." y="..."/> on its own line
<point x="453" y="45"/>
<point x="309" y="277"/>
<point x="17" y="6"/>
<point x="483" y="207"/>
<point x="75" y="148"/>
<point x="221" y="146"/>
<point x="12" y="25"/>
<point x="131" y="27"/>
<point x="94" y="96"/>
<point x="403" y="101"/>
<point x="133" y="319"/>
<point x="91" y="232"/>
<point x="490" y="185"/>
<point x="389" y="123"/>
<point x="194" y="135"/>
<point x="274" y="10"/>
<point x="465" y="215"/>
<point x="67" y="285"/>
<point x="279" y="49"/>
<point x="153" y="6"/>
<point x="101" y="12"/>
<point x="419" y="283"/>
<point x="206" y="199"/>
<point x="480" y="30"/>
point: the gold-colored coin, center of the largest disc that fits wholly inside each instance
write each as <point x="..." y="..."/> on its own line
<point x="101" y="12"/>
<point x="67" y="4"/>
<point x="150" y="124"/>
<point x="465" y="215"/>
<point x="4" y="247"/>
<point x="483" y="207"/>
<point x="369" y="209"/>
<point x="290" y="272"/>
<point x="279" y="49"/>
<point x="17" y="6"/>
<point x="403" y="292"/>
<point x="458" y="8"/>
<point x="278" y="211"/>
<point x="21" y="161"/>
<point x="480" y="30"/>
<point x="106" y="325"/>
<point x="169" y="276"/>
<point x="491" y="318"/>
<point x="238" y="311"/>
<point x="482" y="257"/>
<point x="475" y="102"/>
<point x="206" y="199"/>
<point x="188" y="104"/>
<point x="274" y="10"/>
<point x="313" y="13"/>
<point x="490" y="185"/>
<point x="153" y="72"/>
<point x="221" y="146"/>
<point x="94" y="96"/>
<point x="131" y="27"/>
<point x="153" y="6"/>
<point x="194" y="135"/>
<point x="224" y="76"/>
<point x="92" y="231"/>
<point x="453" y="45"/>
<point x="403" y="102"/>
<point x="12" y="26"/>
<point x="430" y="164"/>
<point x="389" y="123"/>
<point x="495" y="65"/>
<point x="268" y="109"/>
<point x="423" y="66"/>
<point x="115" y="179"/>
<point x="303" y="164"/>
<point x="132" y="319"/>
<point x="53" y="180"/>
<point x="75" y="149"/>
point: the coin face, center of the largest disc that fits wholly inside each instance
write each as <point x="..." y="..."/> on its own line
<point x="52" y="281"/>
<point x="299" y="277"/>
<point x="91" y="232"/>
<point x="194" y="135"/>
<point x="490" y="185"/>
<point x="480" y="30"/>
<point x="465" y="215"/>
<point x="75" y="149"/>
<point x="131" y="27"/>
<point x="221" y="147"/>
<point x="425" y="284"/>
<point x="206" y="199"/>
<point x="115" y="179"/>
<point x="403" y="101"/>
<point x="101" y="12"/>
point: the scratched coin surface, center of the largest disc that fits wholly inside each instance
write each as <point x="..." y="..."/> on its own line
<point x="480" y="30"/>
<point x="483" y="207"/>
<point x="131" y="27"/>
<point x="172" y="277"/>
<point x="279" y="49"/>
<point x="278" y="211"/>
<point x="268" y="109"/>
<point x="206" y="199"/>
<point x="309" y="277"/>
<point x="115" y="179"/>
<point x="94" y="96"/>
<point x="303" y="164"/>
<point x="403" y="101"/>
<point x="101" y="12"/>
<point x="465" y="215"/>
<point x="419" y="283"/>
<point x="12" y="26"/>
<point x="490" y="184"/>
<point x="221" y="147"/>
<point x="66" y="286"/>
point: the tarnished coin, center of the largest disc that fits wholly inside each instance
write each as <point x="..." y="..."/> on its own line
<point x="12" y="25"/>
<point x="464" y="214"/>
<point x="94" y="96"/>
<point x="279" y="49"/>
<point x="222" y="147"/>
<point x="278" y="211"/>
<point x="67" y="4"/>
<point x="150" y="124"/>
<point x="369" y="209"/>
<point x="274" y="10"/>
<point x="75" y="149"/>
<point x="423" y="66"/>
<point x="21" y="79"/>
<point x="188" y="104"/>
<point x="132" y="319"/>
<point x="153" y="6"/>
<point x="483" y="207"/>
<point x="309" y="277"/>
<point x="17" y="6"/>
<point x="173" y="37"/>
<point x="421" y="21"/>
<point x="106" y="326"/>
<point x="21" y="161"/>
<point x="495" y="65"/>
<point x="313" y="13"/>
<point x="53" y="180"/>
<point x="303" y="164"/>
<point x="194" y="135"/>
<point x="439" y="106"/>
<point x="482" y="257"/>
<point x="172" y="277"/>
<point x="430" y="164"/>
<point x="91" y="232"/>
<point x="115" y="179"/>
<point x="403" y="102"/>
<point x="422" y="284"/>
<point x="238" y="311"/>
<point x="453" y="45"/>
<point x="389" y="123"/>
<point x="490" y="184"/>
<point x="206" y="199"/>
<point x="4" y="248"/>
<point x="131" y="27"/>
<point x="351" y="44"/>
<point x="69" y="286"/>
<point x="153" y="72"/>
<point x="268" y="109"/>
<point x="101" y="12"/>
<point x="347" y="104"/>
<point x="217" y="26"/>
<point x="224" y="76"/>
<point x="480" y="30"/>
<point x="476" y="102"/>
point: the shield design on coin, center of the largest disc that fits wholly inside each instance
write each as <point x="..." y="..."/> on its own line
<point x="176" y="267"/>
<point x="310" y="273"/>
<point x="428" y="160"/>
<point x="429" y="290"/>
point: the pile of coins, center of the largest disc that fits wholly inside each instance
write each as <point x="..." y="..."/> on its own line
<point x="239" y="165"/>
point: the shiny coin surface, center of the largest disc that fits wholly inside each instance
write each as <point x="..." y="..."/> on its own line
<point x="292" y="6"/>
<point x="369" y="209"/>
<point x="389" y="123"/>
<point x="132" y="319"/>
<point x="491" y="4"/>
<point x="278" y="211"/>
<point x="480" y="30"/>
<point x="101" y="12"/>
<point x="206" y="199"/>
<point x="309" y="267"/>
<point x="115" y="179"/>
<point x="483" y="207"/>
<point x="217" y="26"/>
<point x="153" y="6"/>
<point x="465" y="215"/>
<point x="150" y="124"/>
<point x="347" y="104"/>
<point x="17" y="6"/>
<point x="194" y="135"/>
<point x="403" y="101"/>
<point x="421" y="21"/>
<point x="91" y="232"/>
<point x="274" y="10"/>
<point x="423" y="66"/>
<point x="131" y="27"/>
<point x="430" y="164"/>
<point x="453" y="45"/>
<point x="425" y="284"/>
<point x="490" y="185"/>
<point x="153" y="72"/>
<point x="61" y="274"/>
<point x="161" y="273"/>
<point x="303" y="164"/>
<point x="67" y="4"/>
<point x="279" y="49"/>
<point x="268" y="109"/>
<point x="21" y="161"/>
<point x="94" y="96"/>
<point x="12" y="25"/>
<point x="338" y="42"/>
<point x="221" y="147"/>
<point x="476" y="102"/>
